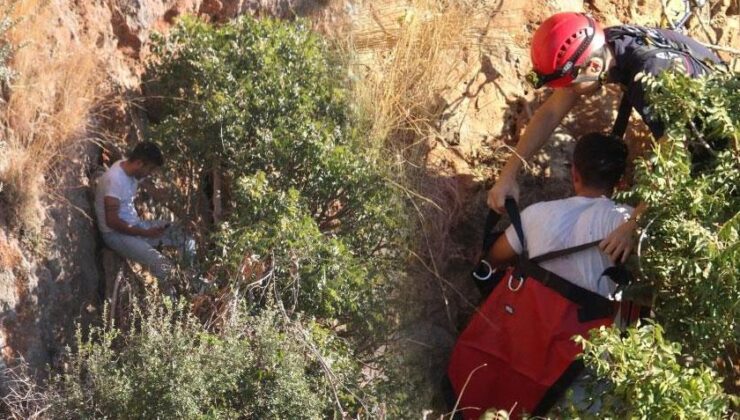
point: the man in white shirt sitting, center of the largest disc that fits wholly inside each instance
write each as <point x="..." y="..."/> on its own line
<point x="122" y="229"/>
<point x="598" y="164"/>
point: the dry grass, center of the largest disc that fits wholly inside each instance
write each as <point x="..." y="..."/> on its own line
<point x="10" y="256"/>
<point x="405" y="56"/>
<point x="55" y="83"/>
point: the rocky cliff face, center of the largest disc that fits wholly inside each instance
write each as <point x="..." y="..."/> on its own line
<point x="49" y="283"/>
<point x="51" y="280"/>
<point x="482" y="105"/>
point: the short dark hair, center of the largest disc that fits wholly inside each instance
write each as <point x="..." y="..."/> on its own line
<point x="147" y="152"/>
<point x="600" y="159"/>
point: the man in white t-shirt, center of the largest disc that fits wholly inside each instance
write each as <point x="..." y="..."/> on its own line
<point x="119" y="223"/>
<point x="598" y="164"/>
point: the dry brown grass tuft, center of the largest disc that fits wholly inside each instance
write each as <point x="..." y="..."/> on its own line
<point x="405" y="56"/>
<point x="56" y="81"/>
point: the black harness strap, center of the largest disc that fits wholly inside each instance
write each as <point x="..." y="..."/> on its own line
<point x="592" y="305"/>
<point x="488" y="237"/>
<point x="516" y="220"/>
<point x="563" y="252"/>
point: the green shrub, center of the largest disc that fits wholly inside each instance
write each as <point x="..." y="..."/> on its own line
<point x="692" y="254"/>
<point x="689" y="255"/>
<point x="639" y="375"/>
<point x="262" y="104"/>
<point x="170" y="366"/>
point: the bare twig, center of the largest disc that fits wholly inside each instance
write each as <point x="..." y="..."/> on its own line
<point x="465" y="385"/>
<point x="24" y="399"/>
<point x="721" y="48"/>
<point x="307" y="342"/>
<point x="699" y="19"/>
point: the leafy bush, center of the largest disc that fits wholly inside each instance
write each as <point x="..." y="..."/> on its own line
<point x="260" y="104"/>
<point x="639" y="375"/>
<point x="692" y="254"/>
<point x="170" y="366"/>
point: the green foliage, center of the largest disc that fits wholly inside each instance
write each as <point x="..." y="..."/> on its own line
<point x="170" y="366"/>
<point x="689" y="254"/>
<point x="692" y="255"/>
<point x="262" y="103"/>
<point x="639" y="375"/>
<point x="332" y="282"/>
<point x="711" y="103"/>
<point x="310" y="221"/>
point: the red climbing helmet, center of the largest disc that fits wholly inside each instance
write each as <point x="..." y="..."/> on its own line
<point x="561" y="44"/>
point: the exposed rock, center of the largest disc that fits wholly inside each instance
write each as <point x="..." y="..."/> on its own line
<point x="42" y="295"/>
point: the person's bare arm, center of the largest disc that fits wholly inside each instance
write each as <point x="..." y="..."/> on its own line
<point x="620" y="243"/>
<point x="112" y="205"/>
<point x="539" y="129"/>
<point x="501" y="253"/>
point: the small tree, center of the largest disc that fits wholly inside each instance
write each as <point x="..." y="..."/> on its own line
<point x="260" y="105"/>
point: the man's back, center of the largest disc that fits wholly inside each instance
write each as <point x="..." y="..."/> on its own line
<point x="554" y="225"/>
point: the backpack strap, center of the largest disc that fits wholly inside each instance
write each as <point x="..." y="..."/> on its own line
<point x="516" y="220"/>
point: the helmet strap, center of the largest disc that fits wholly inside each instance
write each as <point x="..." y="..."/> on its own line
<point x="601" y="77"/>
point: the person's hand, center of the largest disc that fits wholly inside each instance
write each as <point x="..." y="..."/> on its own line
<point x="505" y="187"/>
<point x="620" y="243"/>
<point x="155" y="232"/>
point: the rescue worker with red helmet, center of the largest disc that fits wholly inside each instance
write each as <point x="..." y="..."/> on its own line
<point x="573" y="54"/>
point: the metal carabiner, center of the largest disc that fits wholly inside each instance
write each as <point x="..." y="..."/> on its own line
<point x="518" y="286"/>
<point x="488" y="275"/>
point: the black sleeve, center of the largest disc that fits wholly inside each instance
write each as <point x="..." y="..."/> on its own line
<point x="636" y="90"/>
<point x="636" y="94"/>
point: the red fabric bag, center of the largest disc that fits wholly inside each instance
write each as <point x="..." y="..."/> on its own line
<point x="517" y="348"/>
